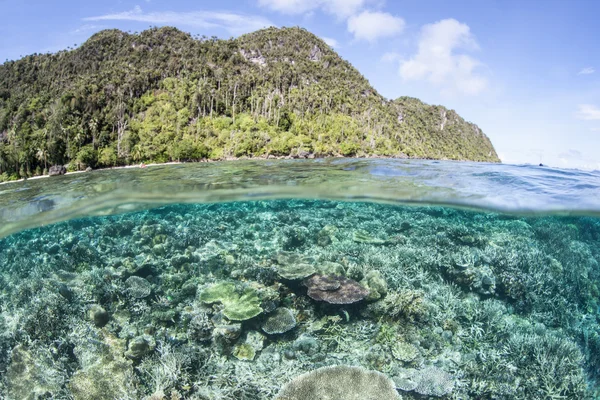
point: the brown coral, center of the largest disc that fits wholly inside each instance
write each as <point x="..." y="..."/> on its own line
<point x="334" y="289"/>
<point x="340" y="382"/>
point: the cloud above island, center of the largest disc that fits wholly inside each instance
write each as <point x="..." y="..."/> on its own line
<point x="588" y="112"/>
<point x="586" y="71"/>
<point x="442" y="61"/>
<point x="339" y="8"/>
<point x="370" y="25"/>
<point x="331" y="42"/>
<point x="233" y="23"/>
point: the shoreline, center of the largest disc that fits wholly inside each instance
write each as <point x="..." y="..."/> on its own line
<point x="228" y="159"/>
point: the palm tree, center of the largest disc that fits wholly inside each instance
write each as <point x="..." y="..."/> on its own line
<point x="42" y="155"/>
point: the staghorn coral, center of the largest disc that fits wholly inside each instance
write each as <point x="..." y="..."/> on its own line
<point x="340" y="382"/>
<point x="408" y="304"/>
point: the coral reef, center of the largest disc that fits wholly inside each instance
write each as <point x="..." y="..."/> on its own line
<point x="236" y="306"/>
<point x="235" y="300"/>
<point x="334" y="289"/>
<point x="279" y="321"/>
<point x="340" y="382"/>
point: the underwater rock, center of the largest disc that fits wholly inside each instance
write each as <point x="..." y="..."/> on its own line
<point x="98" y="315"/>
<point x="138" y="287"/>
<point x="236" y="307"/>
<point x="334" y="289"/>
<point x="339" y="382"/>
<point x="361" y="236"/>
<point x="376" y="285"/>
<point x="279" y="321"/>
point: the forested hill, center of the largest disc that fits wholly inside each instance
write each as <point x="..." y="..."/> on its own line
<point x="164" y="95"/>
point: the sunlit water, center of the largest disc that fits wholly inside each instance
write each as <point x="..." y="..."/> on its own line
<point x="244" y="280"/>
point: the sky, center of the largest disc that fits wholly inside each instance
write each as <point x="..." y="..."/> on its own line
<point x="527" y="71"/>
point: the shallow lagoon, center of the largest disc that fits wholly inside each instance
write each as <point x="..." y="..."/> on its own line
<point x="236" y="300"/>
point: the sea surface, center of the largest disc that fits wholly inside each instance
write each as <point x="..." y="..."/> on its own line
<point x="330" y="279"/>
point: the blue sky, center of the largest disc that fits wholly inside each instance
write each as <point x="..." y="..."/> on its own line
<point x="527" y="72"/>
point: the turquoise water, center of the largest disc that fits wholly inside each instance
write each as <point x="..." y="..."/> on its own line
<point x="417" y="279"/>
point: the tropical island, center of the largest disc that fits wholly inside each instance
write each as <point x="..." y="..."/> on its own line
<point x="162" y="95"/>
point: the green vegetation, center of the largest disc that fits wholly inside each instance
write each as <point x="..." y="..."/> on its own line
<point x="163" y="95"/>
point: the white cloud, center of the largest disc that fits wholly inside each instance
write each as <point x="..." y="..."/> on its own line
<point x="587" y="71"/>
<point x="87" y="28"/>
<point x="233" y="23"/>
<point x="390" y="57"/>
<point x="573" y="158"/>
<point x="330" y="41"/>
<point x="371" y="26"/>
<point x="343" y="8"/>
<point x="339" y="8"/>
<point x="438" y="62"/>
<point x="571" y="154"/>
<point x="588" y="112"/>
<point x="290" y="6"/>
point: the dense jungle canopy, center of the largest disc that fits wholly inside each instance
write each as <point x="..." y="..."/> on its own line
<point x="163" y="95"/>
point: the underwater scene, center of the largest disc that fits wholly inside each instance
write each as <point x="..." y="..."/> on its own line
<point x="274" y="289"/>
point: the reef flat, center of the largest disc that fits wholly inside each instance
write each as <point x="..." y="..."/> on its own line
<point x="260" y="300"/>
